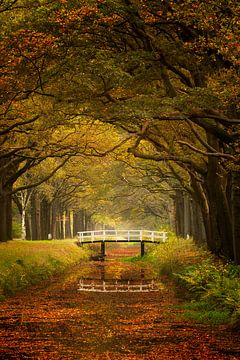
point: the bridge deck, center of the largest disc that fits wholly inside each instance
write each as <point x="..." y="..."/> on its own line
<point x="86" y="237"/>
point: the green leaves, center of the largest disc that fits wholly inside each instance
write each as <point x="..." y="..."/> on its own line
<point x="216" y="284"/>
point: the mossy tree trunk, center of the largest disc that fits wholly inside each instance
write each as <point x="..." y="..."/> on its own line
<point x="236" y="215"/>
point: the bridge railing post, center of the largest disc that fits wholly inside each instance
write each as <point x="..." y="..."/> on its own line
<point x="164" y="236"/>
<point x="152" y="236"/>
<point x="92" y="236"/>
<point x="141" y="235"/>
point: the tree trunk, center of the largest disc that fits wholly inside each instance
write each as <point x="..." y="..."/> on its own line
<point x="187" y="220"/>
<point x="61" y="223"/>
<point x="78" y="221"/>
<point x="9" y="213"/>
<point x="54" y="220"/>
<point x="45" y="218"/>
<point x="198" y="228"/>
<point x="202" y="206"/>
<point x="28" y="227"/>
<point x="3" y="217"/>
<point x="219" y="210"/>
<point x="236" y="215"/>
<point x="179" y="211"/>
<point x="68" y="230"/>
<point x="6" y="216"/>
<point x="35" y="216"/>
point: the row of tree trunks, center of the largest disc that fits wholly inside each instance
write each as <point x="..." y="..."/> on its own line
<point x="44" y="219"/>
<point x="213" y="215"/>
<point x="188" y="218"/>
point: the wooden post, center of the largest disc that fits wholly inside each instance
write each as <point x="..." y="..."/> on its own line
<point x="103" y="249"/>
<point x="142" y="249"/>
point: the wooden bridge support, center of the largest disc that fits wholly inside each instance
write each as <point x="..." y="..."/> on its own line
<point x="142" y="249"/>
<point x="103" y="251"/>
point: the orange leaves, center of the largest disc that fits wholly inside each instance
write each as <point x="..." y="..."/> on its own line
<point x="23" y="54"/>
<point x="23" y="45"/>
<point x="111" y="19"/>
<point x="30" y="44"/>
<point x="67" y="18"/>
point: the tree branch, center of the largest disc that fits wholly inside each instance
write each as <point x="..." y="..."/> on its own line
<point x="42" y="180"/>
<point x="216" y="154"/>
<point x="174" y="158"/>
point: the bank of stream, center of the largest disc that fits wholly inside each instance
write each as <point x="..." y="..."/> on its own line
<point x="106" y="310"/>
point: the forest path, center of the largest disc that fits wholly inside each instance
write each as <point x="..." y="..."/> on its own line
<point x="56" y="321"/>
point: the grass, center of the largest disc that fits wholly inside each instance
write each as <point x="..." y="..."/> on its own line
<point x="204" y="313"/>
<point x="25" y="263"/>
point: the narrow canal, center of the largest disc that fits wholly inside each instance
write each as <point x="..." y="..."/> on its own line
<point x="109" y="310"/>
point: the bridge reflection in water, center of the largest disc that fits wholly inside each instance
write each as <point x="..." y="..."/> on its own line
<point x="116" y="286"/>
<point x="103" y="280"/>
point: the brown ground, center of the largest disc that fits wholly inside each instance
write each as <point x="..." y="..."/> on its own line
<point x="56" y="321"/>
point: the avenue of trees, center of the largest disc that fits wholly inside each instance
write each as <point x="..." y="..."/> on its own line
<point x="131" y="105"/>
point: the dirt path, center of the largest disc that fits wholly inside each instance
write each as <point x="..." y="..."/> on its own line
<point x="59" y="322"/>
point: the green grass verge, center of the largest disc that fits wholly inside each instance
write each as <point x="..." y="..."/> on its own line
<point x="25" y="263"/>
<point x="205" y="313"/>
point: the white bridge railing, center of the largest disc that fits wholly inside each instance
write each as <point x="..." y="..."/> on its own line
<point x="122" y="236"/>
<point x="103" y="286"/>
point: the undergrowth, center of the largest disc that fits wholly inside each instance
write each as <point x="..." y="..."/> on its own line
<point x="174" y="255"/>
<point x="211" y="286"/>
<point x="215" y="285"/>
<point x="25" y="263"/>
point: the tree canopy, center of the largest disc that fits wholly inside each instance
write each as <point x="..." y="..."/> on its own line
<point x="161" y="76"/>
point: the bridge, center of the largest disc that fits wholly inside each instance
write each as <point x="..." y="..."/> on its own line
<point x="104" y="236"/>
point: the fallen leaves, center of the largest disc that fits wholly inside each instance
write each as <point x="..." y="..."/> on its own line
<point x="58" y="322"/>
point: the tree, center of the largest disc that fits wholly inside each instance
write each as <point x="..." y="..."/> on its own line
<point x="154" y="69"/>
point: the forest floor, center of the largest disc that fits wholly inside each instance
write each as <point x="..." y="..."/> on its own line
<point x="56" y="321"/>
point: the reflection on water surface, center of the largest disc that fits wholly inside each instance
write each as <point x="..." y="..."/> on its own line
<point x="117" y="276"/>
<point x="116" y="286"/>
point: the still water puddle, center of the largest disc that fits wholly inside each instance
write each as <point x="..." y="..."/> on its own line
<point x="116" y="276"/>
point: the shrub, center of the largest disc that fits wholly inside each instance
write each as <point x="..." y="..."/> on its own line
<point x="216" y="284"/>
<point x="213" y="285"/>
<point x="173" y="255"/>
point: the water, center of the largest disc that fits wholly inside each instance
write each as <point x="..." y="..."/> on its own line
<point x="113" y="275"/>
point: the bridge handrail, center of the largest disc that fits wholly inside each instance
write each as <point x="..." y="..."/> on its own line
<point x="122" y="235"/>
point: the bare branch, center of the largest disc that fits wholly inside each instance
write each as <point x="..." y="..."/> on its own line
<point x="42" y="180"/>
<point x="216" y="154"/>
<point x="8" y="129"/>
